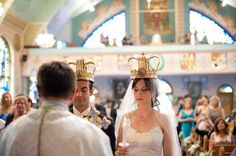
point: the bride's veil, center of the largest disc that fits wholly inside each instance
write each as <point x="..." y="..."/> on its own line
<point x="163" y="105"/>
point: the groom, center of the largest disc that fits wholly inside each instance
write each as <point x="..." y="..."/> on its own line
<point x="81" y="105"/>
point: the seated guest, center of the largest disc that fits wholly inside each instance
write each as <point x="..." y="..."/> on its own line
<point x="6" y="105"/>
<point x="221" y="133"/>
<point x="215" y="109"/>
<point x="204" y="127"/>
<point x="19" y="110"/>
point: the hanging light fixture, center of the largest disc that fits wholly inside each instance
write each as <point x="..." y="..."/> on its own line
<point x="44" y="39"/>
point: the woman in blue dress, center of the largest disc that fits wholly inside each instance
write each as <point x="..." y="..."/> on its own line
<point x="186" y="117"/>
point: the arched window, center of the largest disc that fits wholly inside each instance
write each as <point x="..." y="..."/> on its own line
<point x="203" y="29"/>
<point x="226" y="94"/>
<point x="33" y="91"/>
<point x="5" y="66"/>
<point x="225" y="89"/>
<point x="105" y="35"/>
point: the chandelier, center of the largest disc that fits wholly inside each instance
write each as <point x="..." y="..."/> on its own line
<point x="45" y="40"/>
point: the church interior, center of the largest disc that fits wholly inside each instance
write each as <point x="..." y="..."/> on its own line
<point x="194" y="42"/>
<point x="194" y="39"/>
<point x="194" y="58"/>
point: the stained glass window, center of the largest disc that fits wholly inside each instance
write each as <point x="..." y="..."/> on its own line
<point x="105" y="35"/>
<point x="225" y="89"/>
<point x="203" y="29"/>
<point x="5" y="66"/>
<point x="33" y="91"/>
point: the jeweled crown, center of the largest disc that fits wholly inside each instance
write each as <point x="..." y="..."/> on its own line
<point x="84" y="70"/>
<point x="142" y="67"/>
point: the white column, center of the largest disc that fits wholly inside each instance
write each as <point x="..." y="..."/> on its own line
<point x="179" y="19"/>
<point x="134" y="21"/>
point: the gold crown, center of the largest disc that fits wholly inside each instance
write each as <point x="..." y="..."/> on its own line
<point x="143" y="67"/>
<point x="84" y="70"/>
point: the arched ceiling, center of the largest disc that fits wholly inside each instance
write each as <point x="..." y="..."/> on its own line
<point x="31" y="16"/>
<point x="35" y="10"/>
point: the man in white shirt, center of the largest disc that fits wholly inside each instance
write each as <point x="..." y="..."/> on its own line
<point x="53" y="130"/>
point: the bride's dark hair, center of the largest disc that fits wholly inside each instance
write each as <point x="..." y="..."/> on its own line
<point x="151" y="85"/>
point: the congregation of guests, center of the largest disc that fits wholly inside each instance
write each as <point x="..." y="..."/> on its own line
<point x="201" y="117"/>
<point x="205" y="118"/>
<point x="11" y="109"/>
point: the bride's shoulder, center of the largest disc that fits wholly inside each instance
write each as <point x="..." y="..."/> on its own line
<point x="162" y="120"/>
<point x="129" y="115"/>
<point x="161" y="116"/>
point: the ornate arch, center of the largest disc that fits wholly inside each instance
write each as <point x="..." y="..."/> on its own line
<point x="5" y="65"/>
<point x="211" y="12"/>
<point x="97" y="30"/>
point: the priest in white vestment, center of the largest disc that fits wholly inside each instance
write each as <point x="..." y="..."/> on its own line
<point x="53" y="130"/>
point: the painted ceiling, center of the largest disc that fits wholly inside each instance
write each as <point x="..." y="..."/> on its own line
<point x="32" y="16"/>
<point x="52" y="13"/>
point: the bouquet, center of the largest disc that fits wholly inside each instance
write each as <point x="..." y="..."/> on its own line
<point x="195" y="150"/>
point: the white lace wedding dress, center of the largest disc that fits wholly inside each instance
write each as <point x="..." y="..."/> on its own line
<point x="145" y="143"/>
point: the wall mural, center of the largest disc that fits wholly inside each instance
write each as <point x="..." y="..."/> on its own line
<point x="219" y="60"/>
<point x="211" y="10"/>
<point x="103" y="13"/>
<point x="157" y="21"/>
<point x="188" y="61"/>
<point x="205" y="62"/>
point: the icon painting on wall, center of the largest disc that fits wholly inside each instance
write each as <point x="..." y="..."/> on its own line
<point x="219" y="60"/>
<point x="188" y="61"/>
<point x="156" y="18"/>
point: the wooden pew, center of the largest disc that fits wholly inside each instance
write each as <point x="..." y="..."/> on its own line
<point x="234" y="139"/>
<point x="223" y="149"/>
<point x="205" y="144"/>
<point x="226" y="150"/>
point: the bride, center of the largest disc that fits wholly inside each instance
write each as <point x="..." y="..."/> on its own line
<point x="149" y="132"/>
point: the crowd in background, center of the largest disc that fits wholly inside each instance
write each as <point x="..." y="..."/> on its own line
<point x="206" y="117"/>
<point x="12" y="108"/>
